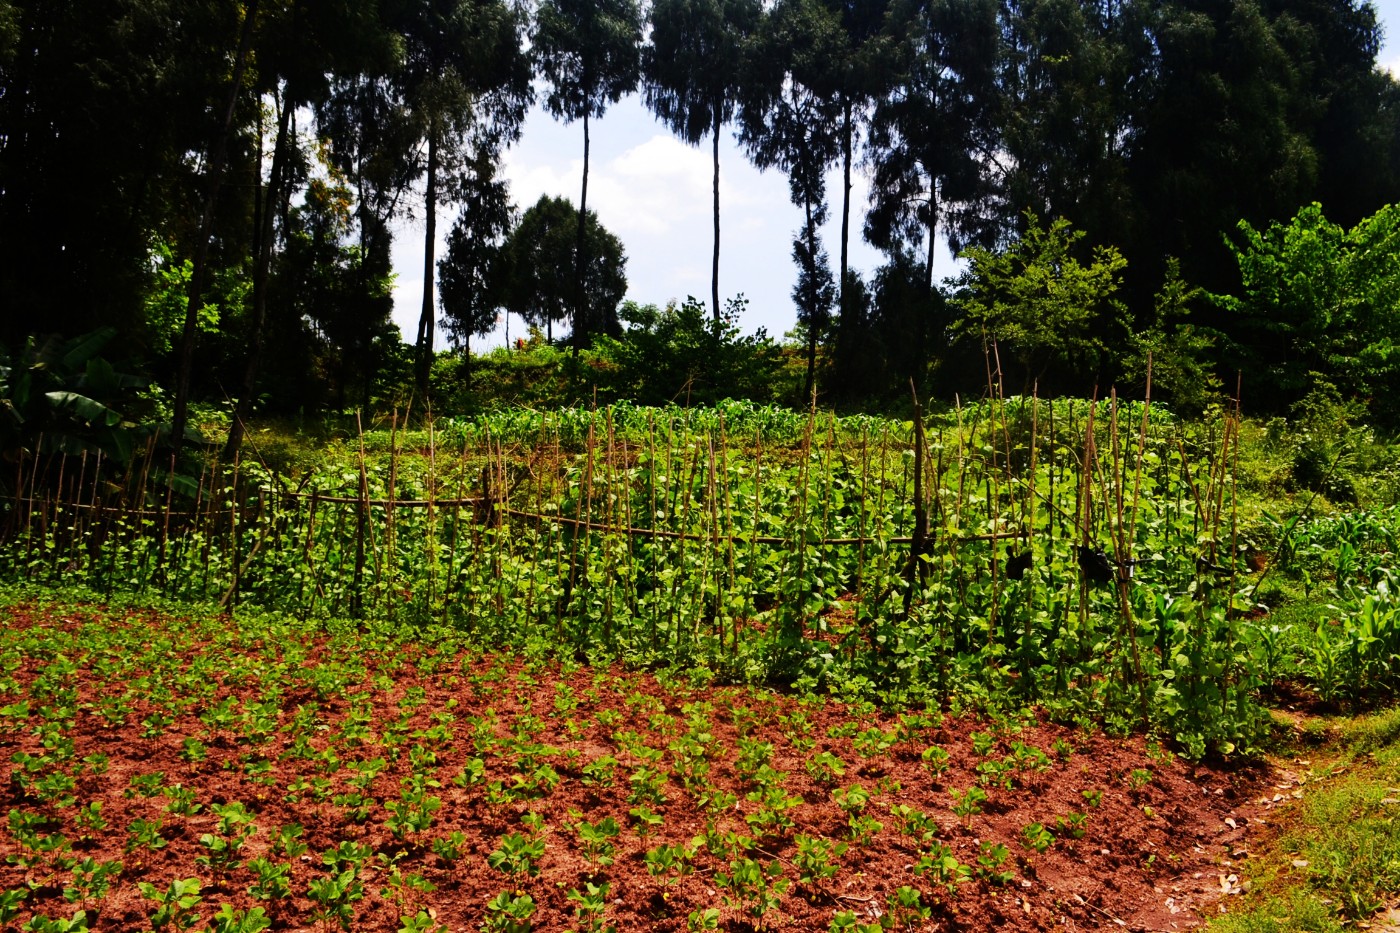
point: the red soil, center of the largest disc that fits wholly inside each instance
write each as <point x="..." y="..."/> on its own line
<point x="1153" y="857"/>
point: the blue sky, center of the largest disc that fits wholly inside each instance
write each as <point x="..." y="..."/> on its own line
<point x="653" y="192"/>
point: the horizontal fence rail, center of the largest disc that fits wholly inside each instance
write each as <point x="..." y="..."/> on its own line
<point x="1016" y="530"/>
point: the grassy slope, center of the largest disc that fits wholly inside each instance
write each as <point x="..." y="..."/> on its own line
<point x="1337" y="858"/>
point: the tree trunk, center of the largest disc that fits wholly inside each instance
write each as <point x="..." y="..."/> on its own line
<point x="267" y="209"/>
<point x="582" y="324"/>
<point x="845" y="201"/>
<point x="714" y="274"/>
<point x="811" y="304"/>
<point x="218" y="153"/>
<point x="427" y="318"/>
<point x="926" y="312"/>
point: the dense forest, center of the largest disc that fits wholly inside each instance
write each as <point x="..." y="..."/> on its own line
<point x="213" y="185"/>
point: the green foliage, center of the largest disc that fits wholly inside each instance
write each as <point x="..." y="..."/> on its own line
<point x="1181" y="353"/>
<point x="680" y="355"/>
<point x="753" y="887"/>
<point x="168" y="299"/>
<point x="1319" y="302"/>
<point x="542" y="287"/>
<point x="509" y="913"/>
<point x="1041" y="304"/>
<point x="517" y="854"/>
<point x="60" y="397"/>
<point x="175" y="905"/>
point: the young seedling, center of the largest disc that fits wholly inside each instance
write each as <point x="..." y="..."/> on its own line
<point x="667" y="862"/>
<point x="348" y="856"/>
<point x="992" y="856"/>
<point x="700" y="920"/>
<point x="596" y="839"/>
<point x="449" y="848"/>
<point x="231" y="920"/>
<point x="143" y="833"/>
<point x="9" y="903"/>
<point x="1035" y="836"/>
<point x="273" y="879"/>
<point x="182" y="802"/>
<point x="517" y="855"/>
<point x="772" y="815"/>
<point x="816" y="859"/>
<point x="412" y="812"/>
<point x="648" y="786"/>
<point x="175" y="905"/>
<point x="590" y="905"/>
<point x="421" y="922"/>
<point x="753" y="754"/>
<point x="940" y="865"/>
<point x="873" y="742"/>
<point x="968" y="803"/>
<point x="846" y="921"/>
<point x="935" y="760"/>
<point x="1072" y="825"/>
<point x="146" y="785"/>
<point x="335" y="896"/>
<point x="89" y="816"/>
<point x="222" y="850"/>
<point x="600" y="771"/>
<point x="914" y="823"/>
<point x="904" y="909"/>
<point x="647" y="820"/>
<point x="826" y="768"/>
<point x="852" y="799"/>
<point x="91" y="881"/>
<point x="509" y="913"/>
<point x="287" y="841"/>
<point x="43" y="923"/>
<point x="753" y="887"/>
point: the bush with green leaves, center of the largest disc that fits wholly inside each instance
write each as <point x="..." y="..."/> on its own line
<point x="1047" y="310"/>
<point x="1318" y="302"/>
<point x="682" y="354"/>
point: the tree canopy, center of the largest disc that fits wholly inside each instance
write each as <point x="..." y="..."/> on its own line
<point x="221" y="182"/>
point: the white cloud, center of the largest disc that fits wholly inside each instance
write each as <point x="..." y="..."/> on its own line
<point x="654" y="192"/>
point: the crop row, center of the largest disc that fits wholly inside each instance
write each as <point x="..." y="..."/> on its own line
<point x="1086" y="559"/>
<point x="362" y="781"/>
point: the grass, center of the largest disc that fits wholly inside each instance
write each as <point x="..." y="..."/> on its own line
<point x="1337" y="861"/>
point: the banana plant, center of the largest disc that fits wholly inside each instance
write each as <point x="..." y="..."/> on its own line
<point x="56" y="397"/>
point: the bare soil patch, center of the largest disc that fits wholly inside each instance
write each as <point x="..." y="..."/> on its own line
<point x="1130" y="838"/>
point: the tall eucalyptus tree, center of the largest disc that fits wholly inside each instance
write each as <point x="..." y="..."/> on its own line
<point x="465" y="82"/>
<point x="216" y="158"/>
<point x="856" y="83"/>
<point x="933" y="137"/>
<point x="301" y="48"/>
<point x="692" y="77"/>
<point x="589" y="51"/>
<point x="1065" y="80"/>
<point x="790" y="119"/>
<point x="475" y="271"/>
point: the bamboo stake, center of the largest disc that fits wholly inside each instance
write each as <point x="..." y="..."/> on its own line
<point x="916" y="547"/>
<point x="386" y="575"/>
<point x="357" y="606"/>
